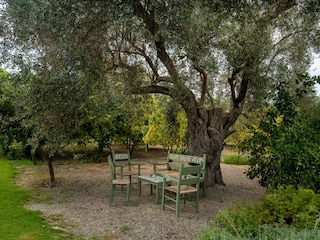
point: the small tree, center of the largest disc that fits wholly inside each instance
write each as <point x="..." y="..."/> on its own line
<point x="10" y="125"/>
<point x="167" y="125"/>
<point x="284" y="148"/>
<point x="130" y="120"/>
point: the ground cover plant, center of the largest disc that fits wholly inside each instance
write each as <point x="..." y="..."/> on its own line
<point x="16" y="222"/>
<point x="285" y="213"/>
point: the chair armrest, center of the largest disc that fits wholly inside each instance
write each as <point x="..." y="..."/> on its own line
<point x="155" y="164"/>
<point x="137" y="164"/>
<point x="168" y="178"/>
<point x="158" y="163"/>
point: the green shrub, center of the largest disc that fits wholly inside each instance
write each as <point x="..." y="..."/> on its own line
<point x="12" y="150"/>
<point x="238" y="220"/>
<point x="235" y="160"/>
<point x="299" y="208"/>
<point x="284" y="210"/>
<point x="97" y="157"/>
<point x="284" y="147"/>
<point x="264" y="233"/>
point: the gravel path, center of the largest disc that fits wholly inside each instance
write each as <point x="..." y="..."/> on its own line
<point x="80" y="203"/>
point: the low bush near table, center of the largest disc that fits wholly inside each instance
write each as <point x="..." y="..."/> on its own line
<point x="283" y="212"/>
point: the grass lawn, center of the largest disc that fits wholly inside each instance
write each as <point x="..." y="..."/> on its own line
<point x="16" y="222"/>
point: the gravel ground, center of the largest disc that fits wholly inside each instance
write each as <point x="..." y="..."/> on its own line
<point x="80" y="203"/>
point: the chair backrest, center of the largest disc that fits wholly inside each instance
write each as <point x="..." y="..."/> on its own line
<point x="189" y="175"/>
<point x="123" y="158"/>
<point x="193" y="160"/>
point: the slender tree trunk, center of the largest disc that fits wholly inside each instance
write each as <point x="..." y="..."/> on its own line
<point x="51" y="171"/>
<point x="48" y="160"/>
<point x="101" y="148"/>
<point x="33" y="157"/>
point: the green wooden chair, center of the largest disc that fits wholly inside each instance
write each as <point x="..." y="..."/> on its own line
<point x="123" y="195"/>
<point x="188" y="183"/>
<point x="123" y="161"/>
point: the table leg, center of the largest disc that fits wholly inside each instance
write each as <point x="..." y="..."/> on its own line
<point x="152" y="185"/>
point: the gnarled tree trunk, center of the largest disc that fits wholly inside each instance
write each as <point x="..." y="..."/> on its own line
<point x="205" y="135"/>
<point x="207" y="129"/>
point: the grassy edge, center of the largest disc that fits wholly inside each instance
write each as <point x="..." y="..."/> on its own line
<point x="17" y="222"/>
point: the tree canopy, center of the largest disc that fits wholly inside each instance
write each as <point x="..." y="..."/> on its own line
<point x="196" y="52"/>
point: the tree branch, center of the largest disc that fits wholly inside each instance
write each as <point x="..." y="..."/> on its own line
<point x="275" y="10"/>
<point x="242" y="92"/>
<point x="143" y="53"/>
<point x="232" y="82"/>
<point x="148" y="18"/>
<point x="204" y="79"/>
<point x="164" y="79"/>
<point x="152" y="89"/>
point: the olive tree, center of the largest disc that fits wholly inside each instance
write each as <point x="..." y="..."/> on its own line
<point x="196" y="52"/>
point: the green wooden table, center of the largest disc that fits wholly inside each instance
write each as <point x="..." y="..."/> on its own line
<point x="153" y="181"/>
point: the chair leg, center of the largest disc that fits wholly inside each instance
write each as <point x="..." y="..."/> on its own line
<point x="163" y="198"/>
<point x="204" y="189"/>
<point x="177" y="204"/>
<point x="197" y="202"/>
<point x="127" y="197"/>
<point x="128" y="194"/>
<point x="111" y="194"/>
